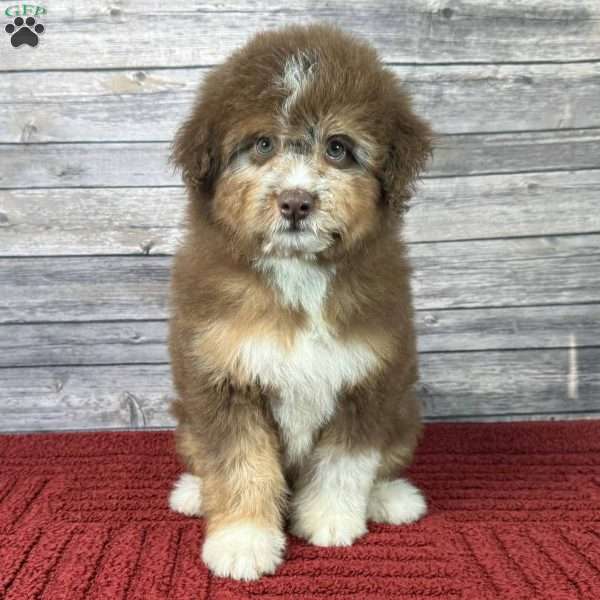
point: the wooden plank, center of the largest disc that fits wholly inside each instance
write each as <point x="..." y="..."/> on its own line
<point x="84" y="35"/>
<point x="90" y="165"/>
<point x="478" y="154"/>
<point x="145" y="164"/>
<point x="91" y="221"/>
<point x="485" y="273"/>
<point x="80" y="398"/>
<point x="562" y="326"/>
<point x="493" y="206"/>
<point x="453" y="385"/>
<point x="82" y="289"/>
<point x="149" y="220"/>
<point x="504" y="418"/>
<point x="526" y="381"/>
<point x="85" y="343"/>
<point x="510" y="272"/>
<point x="541" y="416"/>
<point x="133" y="342"/>
<point x="148" y="105"/>
<point x="557" y="416"/>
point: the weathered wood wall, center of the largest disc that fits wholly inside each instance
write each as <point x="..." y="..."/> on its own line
<point x="504" y="232"/>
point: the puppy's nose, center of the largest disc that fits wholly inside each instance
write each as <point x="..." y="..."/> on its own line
<point x="295" y="205"/>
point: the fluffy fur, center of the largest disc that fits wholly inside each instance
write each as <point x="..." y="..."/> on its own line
<point x="292" y="343"/>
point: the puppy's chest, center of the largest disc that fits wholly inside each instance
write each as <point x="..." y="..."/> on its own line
<point x="308" y="376"/>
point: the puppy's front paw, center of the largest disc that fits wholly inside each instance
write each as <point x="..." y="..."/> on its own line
<point x="396" y="502"/>
<point x="243" y="551"/>
<point x="186" y="495"/>
<point x="336" y="529"/>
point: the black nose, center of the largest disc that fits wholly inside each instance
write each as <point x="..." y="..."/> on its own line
<point x="295" y="205"/>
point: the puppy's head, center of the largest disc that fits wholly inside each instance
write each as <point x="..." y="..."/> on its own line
<point x="302" y="142"/>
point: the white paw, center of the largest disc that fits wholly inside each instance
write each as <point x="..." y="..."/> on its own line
<point x="186" y="495"/>
<point x="396" y="502"/>
<point x="329" y="530"/>
<point x="243" y="551"/>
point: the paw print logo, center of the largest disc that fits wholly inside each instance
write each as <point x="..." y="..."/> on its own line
<point x="24" y="32"/>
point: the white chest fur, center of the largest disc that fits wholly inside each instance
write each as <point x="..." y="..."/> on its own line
<point x="308" y="376"/>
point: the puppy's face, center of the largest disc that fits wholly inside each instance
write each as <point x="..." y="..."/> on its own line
<point x="302" y="143"/>
<point x="299" y="189"/>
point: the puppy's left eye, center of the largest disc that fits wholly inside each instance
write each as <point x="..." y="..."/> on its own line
<point x="264" y="146"/>
<point x="336" y="150"/>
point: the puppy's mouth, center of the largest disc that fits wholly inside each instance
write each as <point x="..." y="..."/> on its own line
<point x="299" y="227"/>
<point x="294" y="227"/>
<point x="296" y="237"/>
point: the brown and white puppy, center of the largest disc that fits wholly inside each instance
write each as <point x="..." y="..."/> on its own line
<point x="291" y="337"/>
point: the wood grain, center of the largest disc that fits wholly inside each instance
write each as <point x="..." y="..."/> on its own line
<point x="148" y="105"/>
<point x="133" y="342"/>
<point x="86" y="35"/>
<point x="118" y="164"/>
<point x="85" y="343"/>
<point x="496" y="206"/>
<point x="483" y="273"/>
<point x="537" y="416"/>
<point x="524" y="327"/>
<point x="504" y="231"/>
<point x="149" y="220"/>
<point x="91" y="221"/>
<point x="453" y="385"/>
<point x="462" y="383"/>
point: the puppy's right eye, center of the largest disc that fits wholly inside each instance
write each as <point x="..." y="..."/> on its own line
<point x="264" y="146"/>
<point x="336" y="150"/>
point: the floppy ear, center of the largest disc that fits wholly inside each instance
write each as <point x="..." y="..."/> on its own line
<point x="195" y="151"/>
<point x="409" y="149"/>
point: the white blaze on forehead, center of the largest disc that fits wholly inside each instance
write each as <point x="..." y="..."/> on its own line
<point x="298" y="73"/>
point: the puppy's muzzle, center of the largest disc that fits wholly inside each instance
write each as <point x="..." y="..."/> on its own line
<point x="295" y="205"/>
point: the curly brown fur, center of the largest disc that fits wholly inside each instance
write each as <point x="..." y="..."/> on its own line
<point x="291" y="338"/>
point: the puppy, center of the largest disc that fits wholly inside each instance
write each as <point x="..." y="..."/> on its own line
<point x="291" y="333"/>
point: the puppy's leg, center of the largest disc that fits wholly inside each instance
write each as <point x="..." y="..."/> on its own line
<point x="337" y="490"/>
<point x="330" y="505"/>
<point x="236" y="450"/>
<point x="186" y="496"/>
<point x="396" y="501"/>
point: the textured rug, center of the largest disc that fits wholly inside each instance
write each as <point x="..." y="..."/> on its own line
<point x="514" y="514"/>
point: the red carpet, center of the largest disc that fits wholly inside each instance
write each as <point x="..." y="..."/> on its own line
<point x="515" y="514"/>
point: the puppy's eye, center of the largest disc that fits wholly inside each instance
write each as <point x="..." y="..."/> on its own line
<point x="264" y="146"/>
<point x="336" y="150"/>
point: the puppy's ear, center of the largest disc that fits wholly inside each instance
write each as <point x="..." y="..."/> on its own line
<point x="409" y="149"/>
<point x="195" y="151"/>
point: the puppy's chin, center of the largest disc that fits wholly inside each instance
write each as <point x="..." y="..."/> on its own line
<point x="296" y="243"/>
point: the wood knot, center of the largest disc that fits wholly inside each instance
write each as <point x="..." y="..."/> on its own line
<point x="431" y="320"/>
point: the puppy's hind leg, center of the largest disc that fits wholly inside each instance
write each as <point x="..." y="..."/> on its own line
<point x="186" y="495"/>
<point x="396" y="501"/>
